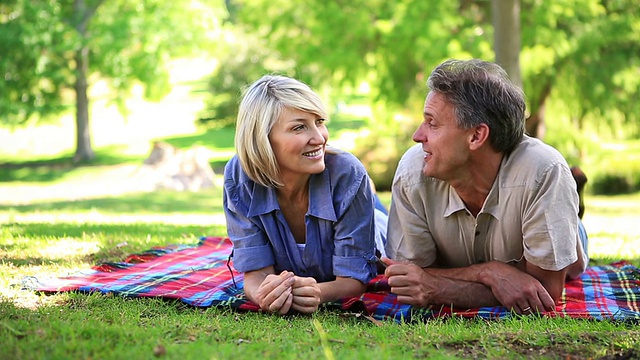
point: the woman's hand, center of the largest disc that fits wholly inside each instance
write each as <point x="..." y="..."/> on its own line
<point x="274" y="294"/>
<point x="306" y="295"/>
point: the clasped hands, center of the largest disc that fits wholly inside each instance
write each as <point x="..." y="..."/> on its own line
<point x="286" y="291"/>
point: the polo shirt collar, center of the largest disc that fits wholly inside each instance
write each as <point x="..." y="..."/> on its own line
<point x="454" y="204"/>
<point x="490" y="205"/>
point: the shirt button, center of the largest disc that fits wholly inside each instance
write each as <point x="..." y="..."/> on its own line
<point x="477" y="233"/>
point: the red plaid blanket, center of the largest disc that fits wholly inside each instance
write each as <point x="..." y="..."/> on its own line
<point x="200" y="276"/>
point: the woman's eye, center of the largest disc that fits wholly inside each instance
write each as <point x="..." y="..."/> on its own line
<point x="298" y="128"/>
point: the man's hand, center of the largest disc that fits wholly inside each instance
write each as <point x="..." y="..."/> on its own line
<point x="487" y="284"/>
<point x="306" y="295"/>
<point x="517" y="290"/>
<point x="275" y="293"/>
<point x="410" y="283"/>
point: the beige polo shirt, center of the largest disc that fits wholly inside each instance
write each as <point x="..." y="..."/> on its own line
<point x="531" y="211"/>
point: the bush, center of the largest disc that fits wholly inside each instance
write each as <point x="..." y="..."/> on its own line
<point x="380" y="155"/>
<point x="613" y="183"/>
<point x="381" y="148"/>
<point x="614" y="168"/>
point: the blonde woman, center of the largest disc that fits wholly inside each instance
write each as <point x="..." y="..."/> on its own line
<point x="301" y="215"/>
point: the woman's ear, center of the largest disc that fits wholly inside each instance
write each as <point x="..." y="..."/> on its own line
<point x="479" y="136"/>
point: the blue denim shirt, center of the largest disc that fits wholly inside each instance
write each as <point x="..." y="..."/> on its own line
<point x="339" y="223"/>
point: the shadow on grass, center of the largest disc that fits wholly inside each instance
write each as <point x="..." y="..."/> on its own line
<point x="116" y="241"/>
<point x="143" y="233"/>
<point x="595" y="261"/>
<point x="57" y="168"/>
<point x="53" y="169"/>
<point x="160" y="202"/>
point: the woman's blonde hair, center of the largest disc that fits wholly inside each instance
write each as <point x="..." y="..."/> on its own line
<point x="261" y="106"/>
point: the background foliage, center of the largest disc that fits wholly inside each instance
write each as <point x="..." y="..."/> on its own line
<point x="579" y="63"/>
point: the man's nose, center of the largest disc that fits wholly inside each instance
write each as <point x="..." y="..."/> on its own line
<point x="418" y="135"/>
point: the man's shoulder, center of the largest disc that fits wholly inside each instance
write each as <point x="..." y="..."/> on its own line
<point x="530" y="161"/>
<point x="412" y="161"/>
<point x="536" y="149"/>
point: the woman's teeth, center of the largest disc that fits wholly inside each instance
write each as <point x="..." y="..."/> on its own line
<point x="313" y="153"/>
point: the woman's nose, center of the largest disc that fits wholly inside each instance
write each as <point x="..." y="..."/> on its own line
<point x="319" y="135"/>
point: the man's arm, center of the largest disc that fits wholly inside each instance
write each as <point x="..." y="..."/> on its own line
<point x="423" y="287"/>
<point x="487" y="284"/>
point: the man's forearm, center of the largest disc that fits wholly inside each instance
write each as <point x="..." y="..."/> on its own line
<point x="459" y="293"/>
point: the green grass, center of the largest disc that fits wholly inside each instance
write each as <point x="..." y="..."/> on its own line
<point x="56" y="238"/>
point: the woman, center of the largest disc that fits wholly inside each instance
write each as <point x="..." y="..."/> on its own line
<point x="300" y="214"/>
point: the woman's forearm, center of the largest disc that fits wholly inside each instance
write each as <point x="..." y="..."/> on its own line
<point x="252" y="282"/>
<point x="339" y="288"/>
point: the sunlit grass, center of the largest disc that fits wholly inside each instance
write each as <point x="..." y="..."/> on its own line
<point x="43" y="239"/>
<point x="612" y="225"/>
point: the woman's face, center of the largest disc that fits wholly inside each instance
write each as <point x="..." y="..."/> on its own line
<point x="298" y="140"/>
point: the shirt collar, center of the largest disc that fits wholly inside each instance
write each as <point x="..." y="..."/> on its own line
<point x="490" y="205"/>
<point x="454" y="204"/>
<point x="264" y="199"/>
<point x="321" y="197"/>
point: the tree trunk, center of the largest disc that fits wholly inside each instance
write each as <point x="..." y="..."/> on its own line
<point x="506" y="38"/>
<point x="82" y="15"/>
<point x="535" y="125"/>
<point x="84" y="152"/>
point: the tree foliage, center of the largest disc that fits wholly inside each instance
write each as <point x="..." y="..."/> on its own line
<point x="388" y="44"/>
<point x="33" y="74"/>
<point x="581" y="55"/>
<point x="57" y="44"/>
<point x="582" y="52"/>
<point x="243" y="59"/>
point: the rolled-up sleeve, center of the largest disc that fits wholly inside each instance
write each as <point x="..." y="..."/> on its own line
<point x="354" y="253"/>
<point x="251" y="248"/>
<point x="550" y="221"/>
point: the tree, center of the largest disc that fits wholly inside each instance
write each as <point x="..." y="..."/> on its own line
<point x="82" y="14"/>
<point x="392" y="45"/>
<point x="59" y="45"/>
<point x="581" y="54"/>
<point x="506" y="37"/>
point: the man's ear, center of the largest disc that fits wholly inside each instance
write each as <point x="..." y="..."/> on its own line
<point x="480" y="136"/>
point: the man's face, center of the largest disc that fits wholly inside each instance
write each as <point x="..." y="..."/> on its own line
<point x="444" y="143"/>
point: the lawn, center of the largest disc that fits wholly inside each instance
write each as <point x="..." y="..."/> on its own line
<point x="55" y="236"/>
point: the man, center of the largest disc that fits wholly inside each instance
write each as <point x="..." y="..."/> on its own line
<point x="492" y="218"/>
